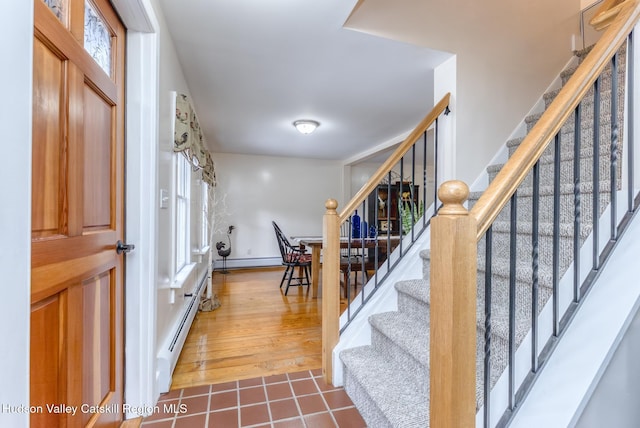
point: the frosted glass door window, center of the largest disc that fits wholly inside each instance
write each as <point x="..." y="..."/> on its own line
<point x="97" y="38"/>
<point x="59" y="8"/>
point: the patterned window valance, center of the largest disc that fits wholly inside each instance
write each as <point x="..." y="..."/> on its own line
<point x="189" y="140"/>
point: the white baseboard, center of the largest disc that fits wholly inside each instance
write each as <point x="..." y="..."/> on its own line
<point x="172" y="346"/>
<point x="248" y="262"/>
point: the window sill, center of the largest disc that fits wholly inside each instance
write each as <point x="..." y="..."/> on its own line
<point x="201" y="251"/>
<point x="182" y="276"/>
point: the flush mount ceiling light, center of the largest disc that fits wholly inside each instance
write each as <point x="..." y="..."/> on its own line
<point x="306" y="126"/>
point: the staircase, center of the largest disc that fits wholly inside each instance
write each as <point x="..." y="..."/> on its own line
<point x="388" y="380"/>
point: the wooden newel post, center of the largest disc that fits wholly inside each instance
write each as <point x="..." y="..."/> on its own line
<point x="330" y="286"/>
<point x="453" y="311"/>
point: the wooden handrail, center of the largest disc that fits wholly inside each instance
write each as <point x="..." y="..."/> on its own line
<point x="331" y="239"/>
<point x="606" y="13"/>
<point x="388" y="165"/>
<point x="530" y="150"/>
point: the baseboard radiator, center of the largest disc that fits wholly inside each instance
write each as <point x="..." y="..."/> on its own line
<point x="248" y="262"/>
<point x="171" y="348"/>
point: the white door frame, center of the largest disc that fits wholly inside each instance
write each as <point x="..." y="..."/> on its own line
<point x="16" y="81"/>
<point x="141" y="204"/>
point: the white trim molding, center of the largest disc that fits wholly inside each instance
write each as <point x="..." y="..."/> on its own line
<point x="141" y="201"/>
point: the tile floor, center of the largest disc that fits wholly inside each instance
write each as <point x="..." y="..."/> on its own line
<point x="293" y="400"/>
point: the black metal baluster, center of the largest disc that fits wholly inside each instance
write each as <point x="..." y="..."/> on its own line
<point x="424" y="178"/>
<point x="363" y="236"/>
<point x="400" y="204"/>
<point x="614" y="145"/>
<point x="577" y="212"/>
<point x="487" y="326"/>
<point x="377" y="242"/>
<point x="413" y="189"/>
<point x="630" y="118"/>
<point x="347" y="285"/>
<point x="596" y="172"/>
<point x="534" y="265"/>
<point x="389" y="225"/>
<point x="556" y="235"/>
<point x="513" y="249"/>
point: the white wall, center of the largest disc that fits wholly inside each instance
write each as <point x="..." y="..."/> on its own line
<point x="16" y="28"/>
<point x="507" y="53"/>
<point x="445" y="78"/>
<point x="614" y="402"/>
<point x="360" y="174"/>
<point x="586" y="3"/>
<point x="260" y="189"/>
<point x="170" y="303"/>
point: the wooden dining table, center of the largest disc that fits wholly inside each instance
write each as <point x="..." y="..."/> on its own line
<point x="315" y="243"/>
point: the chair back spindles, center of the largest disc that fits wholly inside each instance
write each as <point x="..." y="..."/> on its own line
<point x="292" y="257"/>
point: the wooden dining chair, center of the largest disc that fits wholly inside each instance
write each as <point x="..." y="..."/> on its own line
<point x="293" y="257"/>
<point x="355" y="261"/>
<point x="348" y="264"/>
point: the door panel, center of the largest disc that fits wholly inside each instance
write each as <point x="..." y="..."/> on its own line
<point x="76" y="274"/>
<point x="97" y="160"/>
<point x="48" y="155"/>
<point x="98" y="323"/>
<point x="46" y="375"/>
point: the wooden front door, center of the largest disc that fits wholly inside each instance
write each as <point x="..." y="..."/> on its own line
<point x="77" y="214"/>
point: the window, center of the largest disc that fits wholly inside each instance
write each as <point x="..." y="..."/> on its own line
<point x="183" y="188"/>
<point x="204" y="216"/>
<point x="97" y="38"/>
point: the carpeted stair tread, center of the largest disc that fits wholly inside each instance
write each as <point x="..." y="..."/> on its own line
<point x="586" y="114"/>
<point x="582" y="53"/>
<point x="566" y="167"/>
<point x="586" y="123"/>
<point x="566" y="74"/>
<point x="605" y="91"/>
<point x="587" y="104"/>
<point x="605" y="86"/>
<point x="389" y="387"/>
<point x="413" y="298"/>
<point x="416" y="288"/>
<point x="500" y="312"/>
<point x="425" y="255"/>
<point x="566" y="147"/>
<point x="544" y="228"/>
<point x="500" y="268"/>
<point x="394" y="325"/>
<point x="586" y="188"/>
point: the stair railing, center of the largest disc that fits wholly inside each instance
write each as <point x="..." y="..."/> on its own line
<point x="607" y="176"/>
<point x="606" y="13"/>
<point x="376" y="228"/>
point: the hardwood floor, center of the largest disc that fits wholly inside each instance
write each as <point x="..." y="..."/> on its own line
<point x="131" y="423"/>
<point x="258" y="331"/>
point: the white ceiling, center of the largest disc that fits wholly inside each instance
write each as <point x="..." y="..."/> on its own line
<point x="255" y="66"/>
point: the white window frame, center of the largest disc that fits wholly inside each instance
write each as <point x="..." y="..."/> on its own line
<point x="182" y="215"/>
<point x="204" y="215"/>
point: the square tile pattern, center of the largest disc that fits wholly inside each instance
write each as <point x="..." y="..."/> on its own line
<point x="292" y="400"/>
